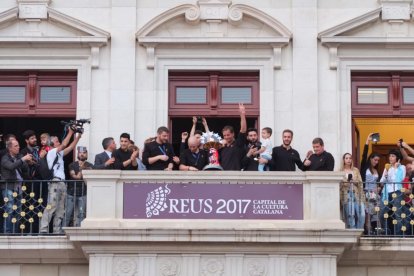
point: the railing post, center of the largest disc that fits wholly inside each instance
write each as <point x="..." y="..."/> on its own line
<point x="101" y="198"/>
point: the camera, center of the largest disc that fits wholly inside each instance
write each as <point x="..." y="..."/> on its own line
<point x="375" y="137"/>
<point x="257" y="145"/>
<point x="199" y="120"/>
<point x="401" y="141"/>
<point x="76" y="125"/>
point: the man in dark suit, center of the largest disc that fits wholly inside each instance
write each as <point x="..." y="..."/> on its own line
<point x="14" y="168"/>
<point x="105" y="160"/>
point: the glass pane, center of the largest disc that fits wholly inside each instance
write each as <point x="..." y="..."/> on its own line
<point x="191" y="95"/>
<point x="12" y="94"/>
<point x="55" y="94"/>
<point x="408" y="95"/>
<point x="236" y="95"/>
<point x="374" y="95"/>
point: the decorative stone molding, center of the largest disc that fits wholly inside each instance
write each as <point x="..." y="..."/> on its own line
<point x="214" y="9"/>
<point x="394" y="14"/>
<point x="169" y="267"/>
<point x="125" y="266"/>
<point x="214" y="13"/>
<point x="257" y="268"/>
<point x="35" y="12"/>
<point x="396" y="9"/>
<point x="212" y="267"/>
<point x="299" y="267"/>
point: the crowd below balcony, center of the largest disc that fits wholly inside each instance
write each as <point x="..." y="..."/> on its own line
<point x="34" y="180"/>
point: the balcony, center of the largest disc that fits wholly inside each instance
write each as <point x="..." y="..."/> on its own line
<point x="208" y="223"/>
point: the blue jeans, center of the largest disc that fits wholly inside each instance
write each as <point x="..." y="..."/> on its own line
<point x="354" y="212"/>
<point x="75" y="210"/>
<point x="266" y="156"/>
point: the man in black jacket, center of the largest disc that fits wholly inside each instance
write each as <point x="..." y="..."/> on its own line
<point x="125" y="159"/>
<point x="159" y="154"/>
<point x="14" y="168"/>
<point x="233" y="151"/>
<point x="284" y="157"/>
<point x="193" y="158"/>
<point x="319" y="159"/>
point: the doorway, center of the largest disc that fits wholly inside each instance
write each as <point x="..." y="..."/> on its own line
<point x="215" y="124"/>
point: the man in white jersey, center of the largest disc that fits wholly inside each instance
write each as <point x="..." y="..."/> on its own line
<point x="57" y="187"/>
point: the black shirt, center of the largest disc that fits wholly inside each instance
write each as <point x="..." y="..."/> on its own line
<point x="153" y="149"/>
<point x="250" y="163"/>
<point x="285" y="159"/>
<point x="122" y="156"/>
<point x="322" y="162"/>
<point x="231" y="156"/>
<point x="198" y="160"/>
<point x="77" y="188"/>
<point x="33" y="168"/>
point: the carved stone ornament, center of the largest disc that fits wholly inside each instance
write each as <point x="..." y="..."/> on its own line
<point x="212" y="267"/>
<point x="125" y="267"/>
<point x="396" y="9"/>
<point x="299" y="267"/>
<point x="257" y="268"/>
<point x="33" y="9"/>
<point x="169" y="268"/>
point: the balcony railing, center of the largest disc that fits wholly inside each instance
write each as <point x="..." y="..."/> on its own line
<point x="381" y="209"/>
<point x="27" y="208"/>
<point x="24" y="205"/>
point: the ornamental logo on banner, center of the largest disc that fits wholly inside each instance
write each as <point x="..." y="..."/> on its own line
<point x="157" y="201"/>
<point x="144" y="200"/>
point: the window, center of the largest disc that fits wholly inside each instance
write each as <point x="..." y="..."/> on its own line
<point x="385" y="94"/>
<point x="38" y="93"/>
<point x="213" y="93"/>
<point x="408" y="95"/>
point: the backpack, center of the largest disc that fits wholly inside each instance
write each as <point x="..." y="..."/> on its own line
<point x="43" y="169"/>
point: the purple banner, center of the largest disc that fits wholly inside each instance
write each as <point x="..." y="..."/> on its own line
<point x="145" y="200"/>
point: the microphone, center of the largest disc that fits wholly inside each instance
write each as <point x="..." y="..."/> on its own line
<point x="387" y="166"/>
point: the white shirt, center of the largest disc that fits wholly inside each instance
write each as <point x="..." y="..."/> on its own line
<point x="267" y="144"/>
<point x="109" y="154"/>
<point x="59" y="168"/>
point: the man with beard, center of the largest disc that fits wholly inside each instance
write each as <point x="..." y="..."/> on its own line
<point x="124" y="158"/>
<point x="284" y="157"/>
<point x="250" y="161"/>
<point x="31" y="148"/>
<point x="233" y="151"/>
<point x="159" y="154"/>
<point x="76" y="193"/>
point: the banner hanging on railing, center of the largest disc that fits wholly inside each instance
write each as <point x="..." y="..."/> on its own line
<point x="144" y="200"/>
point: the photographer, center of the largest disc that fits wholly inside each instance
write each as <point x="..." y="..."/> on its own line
<point x="126" y="157"/>
<point x="57" y="187"/>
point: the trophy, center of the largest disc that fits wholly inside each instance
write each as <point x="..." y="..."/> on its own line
<point x="212" y="143"/>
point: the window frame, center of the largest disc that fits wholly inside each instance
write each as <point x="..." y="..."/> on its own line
<point x="33" y="80"/>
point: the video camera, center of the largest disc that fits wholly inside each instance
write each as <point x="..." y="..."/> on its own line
<point x="76" y="125"/>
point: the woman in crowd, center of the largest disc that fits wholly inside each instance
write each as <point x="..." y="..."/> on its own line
<point x="352" y="194"/>
<point x="370" y="176"/>
<point x="391" y="196"/>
